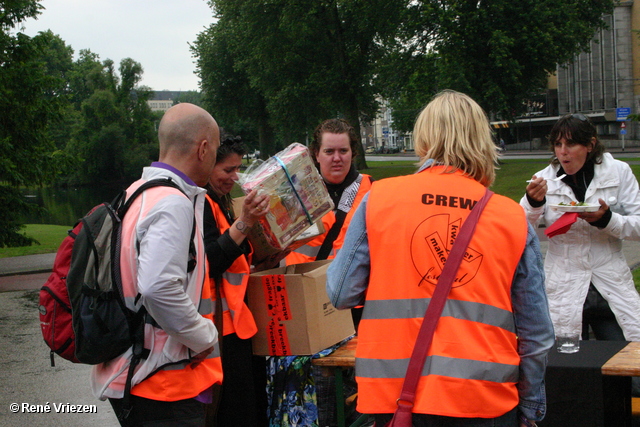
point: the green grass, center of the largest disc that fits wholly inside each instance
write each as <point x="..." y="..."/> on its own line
<point x="380" y="170"/>
<point x="49" y="237"/>
<point x="510" y="178"/>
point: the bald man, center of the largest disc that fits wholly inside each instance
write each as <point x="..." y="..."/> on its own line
<point x="159" y="241"/>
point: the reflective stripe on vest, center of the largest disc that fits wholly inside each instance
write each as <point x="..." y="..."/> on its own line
<point x="472" y="365"/>
<point x="464" y="310"/>
<point x="236" y="316"/>
<point x="309" y="251"/>
<point x="205" y="307"/>
<point x="440" y="365"/>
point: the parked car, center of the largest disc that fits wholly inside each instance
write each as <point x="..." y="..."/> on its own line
<point x="387" y="150"/>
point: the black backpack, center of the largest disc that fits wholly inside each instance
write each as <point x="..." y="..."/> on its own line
<point x="83" y="316"/>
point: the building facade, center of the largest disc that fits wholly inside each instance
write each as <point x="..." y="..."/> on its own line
<point x="163" y="100"/>
<point x="380" y="136"/>
<point x="601" y="84"/>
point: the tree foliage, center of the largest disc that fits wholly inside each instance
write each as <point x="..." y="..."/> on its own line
<point x="308" y="60"/>
<point x="29" y="100"/>
<point x="83" y="119"/>
<point x="190" y="96"/>
<point x="499" y="52"/>
<point x="114" y="133"/>
<point x="227" y="93"/>
<point x="294" y="63"/>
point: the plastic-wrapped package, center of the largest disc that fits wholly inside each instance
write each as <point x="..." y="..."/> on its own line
<point x="298" y="196"/>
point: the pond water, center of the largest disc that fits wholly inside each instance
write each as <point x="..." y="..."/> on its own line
<point x="64" y="206"/>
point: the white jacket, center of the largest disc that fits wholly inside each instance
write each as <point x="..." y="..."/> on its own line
<point x="589" y="254"/>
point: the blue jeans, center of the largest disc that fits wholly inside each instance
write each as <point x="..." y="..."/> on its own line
<point x="510" y="419"/>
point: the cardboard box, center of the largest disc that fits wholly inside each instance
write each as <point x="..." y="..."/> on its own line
<point x="263" y="247"/>
<point x="293" y="312"/>
<point x="298" y="197"/>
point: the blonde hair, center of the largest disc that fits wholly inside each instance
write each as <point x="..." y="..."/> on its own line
<point x="454" y="130"/>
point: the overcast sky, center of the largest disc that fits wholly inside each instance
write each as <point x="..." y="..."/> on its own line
<point x="154" y="33"/>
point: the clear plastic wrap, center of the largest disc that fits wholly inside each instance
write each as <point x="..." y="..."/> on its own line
<point x="298" y="196"/>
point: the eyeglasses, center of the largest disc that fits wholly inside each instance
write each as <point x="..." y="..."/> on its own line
<point x="580" y="117"/>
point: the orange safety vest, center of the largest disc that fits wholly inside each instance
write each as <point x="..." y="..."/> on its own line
<point x="181" y="381"/>
<point x="472" y="366"/>
<point x="309" y="251"/>
<point x="166" y="374"/>
<point x="236" y="316"/>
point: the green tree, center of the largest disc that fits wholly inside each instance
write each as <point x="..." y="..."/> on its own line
<point x="190" y="96"/>
<point x="86" y="77"/>
<point x="114" y="134"/>
<point x="499" y="52"/>
<point x="310" y="59"/>
<point x="31" y="97"/>
<point x="227" y="92"/>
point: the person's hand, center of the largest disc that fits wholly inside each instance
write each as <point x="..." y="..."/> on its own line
<point x="537" y="188"/>
<point x="198" y="358"/>
<point x="594" y="216"/>
<point x="255" y="206"/>
<point x="525" y="422"/>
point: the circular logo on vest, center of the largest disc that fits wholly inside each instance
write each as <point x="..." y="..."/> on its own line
<point x="42" y="309"/>
<point x="430" y="245"/>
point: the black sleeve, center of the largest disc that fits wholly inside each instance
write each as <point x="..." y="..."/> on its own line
<point x="221" y="250"/>
<point x="604" y="221"/>
<point x="535" y="203"/>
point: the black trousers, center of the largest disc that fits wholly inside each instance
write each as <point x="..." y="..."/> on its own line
<point x="155" y="413"/>
<point x="597" y="314"/>
<point x="243" y="401"/>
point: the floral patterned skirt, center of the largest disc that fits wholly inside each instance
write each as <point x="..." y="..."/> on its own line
<point x="292" y="390"/>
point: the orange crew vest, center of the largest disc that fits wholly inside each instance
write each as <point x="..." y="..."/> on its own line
<point x="237" y="317"/>
<point x="472" y="365"/>
<point x="309" y="251"/>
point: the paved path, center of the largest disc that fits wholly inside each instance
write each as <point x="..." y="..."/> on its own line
<point x="26" y="264"/>
<point x="27" y="378"/>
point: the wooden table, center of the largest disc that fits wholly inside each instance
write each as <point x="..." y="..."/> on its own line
<point x="624" y="363"/>
<point x="344" y="356"/>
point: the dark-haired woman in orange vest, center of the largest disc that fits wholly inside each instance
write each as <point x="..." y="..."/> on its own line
<point x="243" y="398"/>
<point x="486" y="364"/>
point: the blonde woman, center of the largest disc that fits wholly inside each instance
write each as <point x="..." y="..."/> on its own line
<point x="487" y="360"/>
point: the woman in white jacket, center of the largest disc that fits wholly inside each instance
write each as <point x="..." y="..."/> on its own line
<point x="585" y="267"/>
